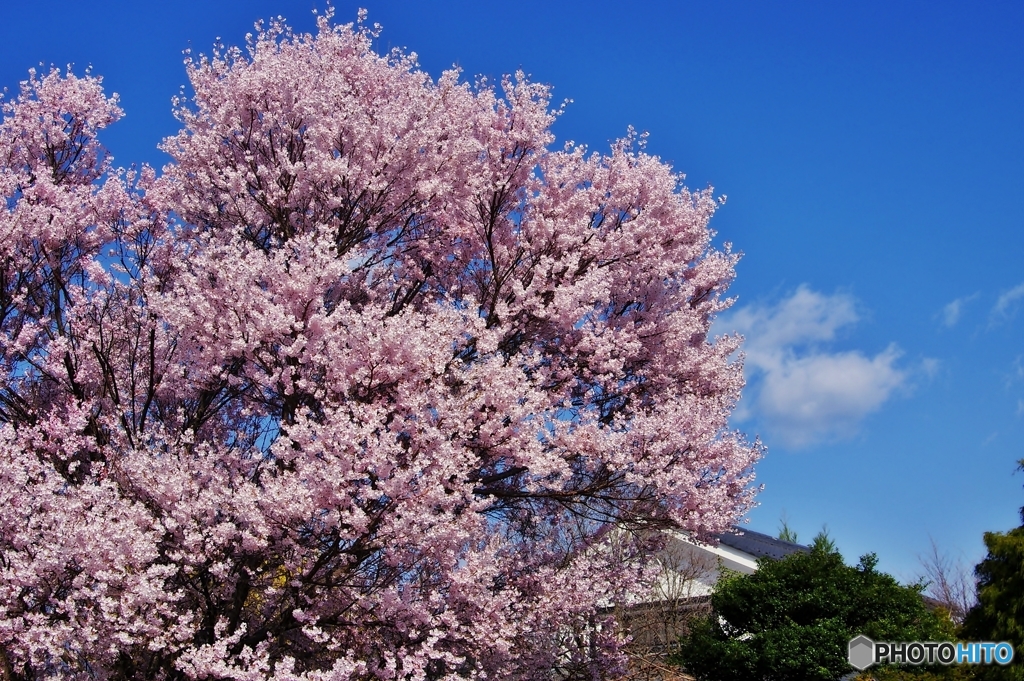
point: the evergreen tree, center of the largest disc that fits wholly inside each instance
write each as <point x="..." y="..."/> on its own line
<point x="999" y="614"/>
<point x="793" y="619"/>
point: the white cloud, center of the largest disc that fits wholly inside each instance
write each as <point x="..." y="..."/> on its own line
<point x="951" y="313"/>
<point x="1006" y="305"/>
<point x="1013" y="377"/>
<point x="804" y="317"/>
<point x="799" y="389"/>
<point x="821" y="395"/>
<point x="1016" y="371"/>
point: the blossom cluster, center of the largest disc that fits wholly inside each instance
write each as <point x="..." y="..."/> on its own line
<point x="369" y="382"/>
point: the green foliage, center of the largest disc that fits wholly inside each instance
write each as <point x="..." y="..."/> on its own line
<point x="786" y="533"/>
<point x="999" y="614"/>
<point x="952" y="673"/>
<point x="822" y="542"/>
<point x="793" y="618"/>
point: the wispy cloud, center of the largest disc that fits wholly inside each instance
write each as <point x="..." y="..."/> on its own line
<point x="951" y="313"/>
<point x="930" y="367"/>
<point x="1016" y="371"/>
<point x="1013" y="378"/>
<point x="1007" y="303"/>
<point x="802" y="391"/>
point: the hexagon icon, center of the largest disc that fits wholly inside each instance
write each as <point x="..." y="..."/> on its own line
<point x="862" y="652"/>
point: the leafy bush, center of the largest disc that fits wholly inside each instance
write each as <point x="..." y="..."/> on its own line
<point x="793" y="618"/>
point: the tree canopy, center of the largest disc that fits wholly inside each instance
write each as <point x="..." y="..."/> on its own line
<point x="999" y="612"/>
<point x="792" y="619"/>
<point x="367" y="383"/>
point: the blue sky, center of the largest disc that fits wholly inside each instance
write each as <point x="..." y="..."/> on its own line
<point x="873" y="158"/>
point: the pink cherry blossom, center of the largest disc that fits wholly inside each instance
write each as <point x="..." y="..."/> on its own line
<point x="370" y="382"/>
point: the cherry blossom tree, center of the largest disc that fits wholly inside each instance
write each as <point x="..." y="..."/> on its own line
<point x="370" y="382"/>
